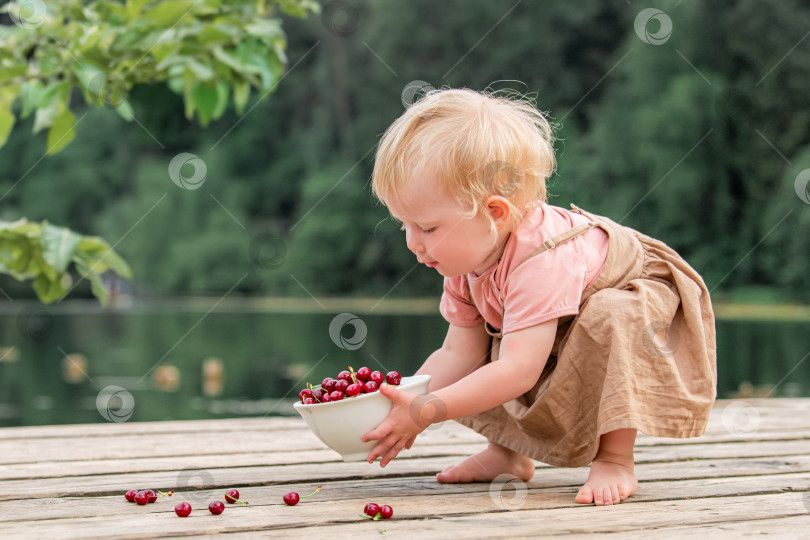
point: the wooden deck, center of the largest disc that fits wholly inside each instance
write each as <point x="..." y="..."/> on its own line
<point x="748" y="476"/>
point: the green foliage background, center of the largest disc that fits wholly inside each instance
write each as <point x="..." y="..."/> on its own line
<point x="696" y="141"/>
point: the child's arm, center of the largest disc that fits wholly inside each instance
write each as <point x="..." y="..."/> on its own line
<point x="523" y="356"/>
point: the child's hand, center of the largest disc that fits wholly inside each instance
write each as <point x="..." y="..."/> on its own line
<point x="398" y="430"/>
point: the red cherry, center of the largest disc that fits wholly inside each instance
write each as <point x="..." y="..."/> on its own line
<point x="216" y="507"/>
<point x="386" y="511"/>
<point x="326" y="398"/>
<point x="372" y="509"/>
<point x="182" y="509"/>
<point x="328" y="384"/>
<point x="353" y="389"/>
<point x="141" y="497"/>
<point x="232" y="496"/>
<point x="393" y="378"/>
<point x="342" y="385"/>
<point x="291" y="498"/>
<point x="337" y="395"/>
<point x="344" y="376"/>
<point x="363" y="373"/>
<point x="310" y="401"/>
<point x="130" y="495"/>
<point x="152" y="495"/>
<point x="371" y="386"/>
<point x="318" y="393"/>
<point x="377" y="377"/>
<point x="304" y="394"/>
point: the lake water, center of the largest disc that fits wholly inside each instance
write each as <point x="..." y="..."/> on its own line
<point x="61" y="365"/>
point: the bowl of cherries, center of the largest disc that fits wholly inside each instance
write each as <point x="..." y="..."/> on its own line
<point x="340" y="410"/>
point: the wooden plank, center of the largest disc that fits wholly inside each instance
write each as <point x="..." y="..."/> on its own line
<point x="464" y="515"/>
<point x="115" y="484"/>
<point x="643" y="454"/>
<point x="159" y="444"/>
<point x="362" y="491"/>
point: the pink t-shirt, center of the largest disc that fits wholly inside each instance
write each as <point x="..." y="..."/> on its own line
<point x="545" y="287"/>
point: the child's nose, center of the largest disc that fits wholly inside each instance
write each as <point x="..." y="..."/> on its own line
<point x="414" y="244"/>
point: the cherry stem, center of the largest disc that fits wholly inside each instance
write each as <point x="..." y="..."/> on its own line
<point x="169" y="494"/>
<point x="241" y="502"/>
<point x="378" y="517"/>
<point x="313" y="493"/>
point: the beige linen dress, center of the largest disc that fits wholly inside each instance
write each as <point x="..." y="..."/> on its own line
<point x="640" y="354"/>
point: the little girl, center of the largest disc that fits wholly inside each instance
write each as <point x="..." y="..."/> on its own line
<point x="568" y="332"/>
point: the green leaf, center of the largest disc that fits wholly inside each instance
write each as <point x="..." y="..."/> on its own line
<point x="58" y="245"/>
<point x="200" y="70"/>
<point x="241" y="94"/>
<point x="96" y="283"/>
<point x="223" y="91"/>
<point x="48" y="289"/>
<point x="205" y="101"/>
<point x="167" y="14"/>
<point x="31" y="92"/>
<point x="124" y="110"/>
<point x="100" y="256"/>
<point x="62" y="131"/>
<point x="7" y="120"/>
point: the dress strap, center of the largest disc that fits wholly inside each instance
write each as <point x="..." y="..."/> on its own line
<point x="551" y="243"/>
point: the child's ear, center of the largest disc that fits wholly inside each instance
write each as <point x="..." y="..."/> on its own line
<point x="499" y="210"/>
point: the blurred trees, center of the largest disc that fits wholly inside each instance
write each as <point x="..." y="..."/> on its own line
<point x="696" y="140"/>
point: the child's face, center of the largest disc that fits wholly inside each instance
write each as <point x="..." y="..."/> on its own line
<point x="440" y="236"/>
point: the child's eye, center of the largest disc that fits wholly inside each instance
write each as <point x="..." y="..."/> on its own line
<point x="428" y="231"/>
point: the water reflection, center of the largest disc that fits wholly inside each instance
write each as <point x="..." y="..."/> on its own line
<point x="180" y="364"/>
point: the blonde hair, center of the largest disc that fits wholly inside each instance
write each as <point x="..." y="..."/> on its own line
<point x="476" y="144"/>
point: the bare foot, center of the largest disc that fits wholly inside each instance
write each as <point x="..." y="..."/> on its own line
<point x="610" y="481"/>
<point x="486" y="465"/>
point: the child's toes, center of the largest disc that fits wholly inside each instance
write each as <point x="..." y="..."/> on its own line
<point x="614" y="493"/>
<point x="585" y="495"/>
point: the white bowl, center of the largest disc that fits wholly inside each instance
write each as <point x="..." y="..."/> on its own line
<point x="341" y="424"/>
